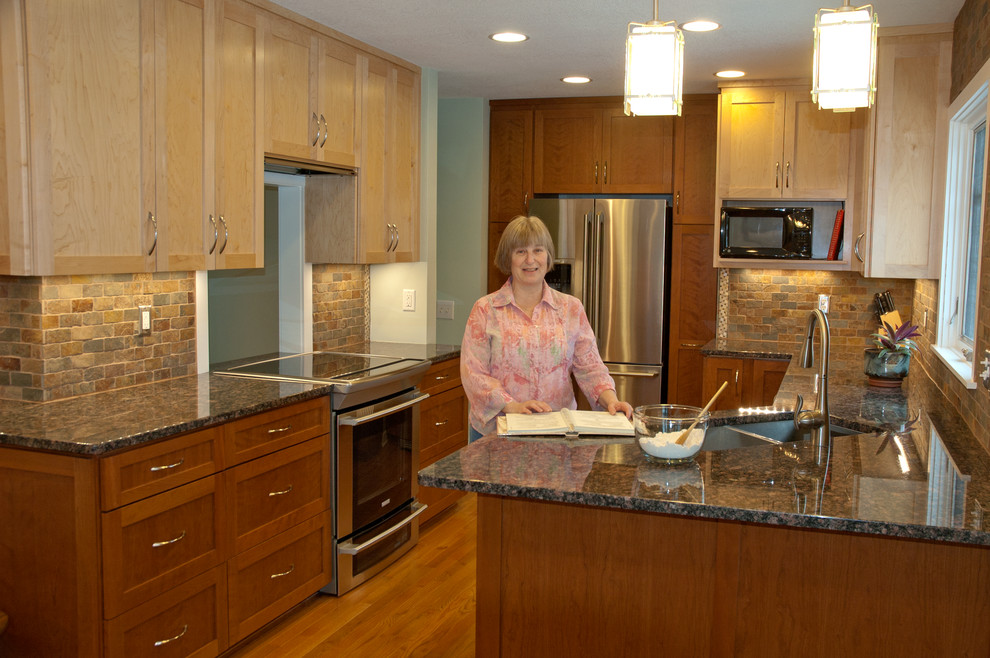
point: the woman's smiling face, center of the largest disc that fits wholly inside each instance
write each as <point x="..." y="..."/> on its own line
<point x="529" y="264"/>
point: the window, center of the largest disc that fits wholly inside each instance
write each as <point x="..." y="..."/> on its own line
<point x="965" y="205"/>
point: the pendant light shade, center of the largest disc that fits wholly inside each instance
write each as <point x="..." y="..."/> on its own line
<point x="845" y="61"/>
<point x="654" y="68"/>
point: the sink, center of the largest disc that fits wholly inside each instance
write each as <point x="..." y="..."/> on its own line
<point x="727" y="437"/>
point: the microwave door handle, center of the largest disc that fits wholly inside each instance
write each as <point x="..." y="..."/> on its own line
<point x="350" y="419"/>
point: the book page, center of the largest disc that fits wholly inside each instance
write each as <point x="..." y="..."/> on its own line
<point x="546" y="423"/>
<point x="598" y="422"/>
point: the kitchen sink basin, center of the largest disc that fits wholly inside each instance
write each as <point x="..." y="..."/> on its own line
<point x="726" y="437"/>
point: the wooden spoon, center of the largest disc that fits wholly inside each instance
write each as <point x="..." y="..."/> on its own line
<point x="684" y="435"/>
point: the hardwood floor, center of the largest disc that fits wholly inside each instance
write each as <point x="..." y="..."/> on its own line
<point x="423" y="605"/>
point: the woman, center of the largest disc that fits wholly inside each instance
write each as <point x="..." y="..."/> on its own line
<point x="522" y="342"/>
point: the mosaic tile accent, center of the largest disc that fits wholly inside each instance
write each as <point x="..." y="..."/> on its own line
<point x="722" y="314"/>
<point x="341" y="306"/>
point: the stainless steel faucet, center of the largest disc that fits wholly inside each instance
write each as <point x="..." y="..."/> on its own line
<point x="817" y="418"/>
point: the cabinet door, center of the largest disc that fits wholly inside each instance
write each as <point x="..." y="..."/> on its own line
<point x="401" y="156"/>
<point x="566" y="151"/>
<point x="371" y="228"/>
<point x="751" y="141"/>
<point x="693" y="293"/>
<point x="637" y="153"/>
<point x="183" y="31"/>
<point x="909" y="140"/>
<point x="695" y="137"/>
<point x="720" y="369"/>
<point x="91" y="136"/>
<point x="292" y="124"/>
<point x="765" y="382"/>
<point x="510" y="166"/>
<point x="240" y="177"/>
<point x="337" y="102"/>
<point x="816" y="150"/>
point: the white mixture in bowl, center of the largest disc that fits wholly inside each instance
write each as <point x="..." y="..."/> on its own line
<point x="664" y="444"/>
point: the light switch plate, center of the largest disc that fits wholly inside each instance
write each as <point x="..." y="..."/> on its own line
<point x="445" y="309"/>
<point x="144" y="320"/>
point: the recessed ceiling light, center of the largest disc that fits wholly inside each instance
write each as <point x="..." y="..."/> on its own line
<point x="730" y="74"/>
<point x="508" y="37"/>
<point x="700" y="26"/>
<point x="575" y="79"/>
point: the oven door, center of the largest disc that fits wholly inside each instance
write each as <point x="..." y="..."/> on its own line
<point x="376" y="459"/>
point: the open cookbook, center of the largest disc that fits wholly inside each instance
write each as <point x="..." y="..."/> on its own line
<point x="565" y="422"/>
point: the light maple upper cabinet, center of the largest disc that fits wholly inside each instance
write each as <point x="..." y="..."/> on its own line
<point x="208" y="129"/>
<point x="126" y="164"/>
<point x="378" y="222"/>
<point x="310" y="96"/>
<point x="775" y="143"/>
<point x="80" y="173"/>
<point x="582" y="149"/>
<point x="906" y="141"/>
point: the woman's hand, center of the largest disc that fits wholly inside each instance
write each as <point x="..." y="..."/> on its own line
<point x="527" y="407"/>
<point x="610" y="402"/>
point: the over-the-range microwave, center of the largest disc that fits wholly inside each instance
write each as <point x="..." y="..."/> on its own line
<point x="765" y="232"/>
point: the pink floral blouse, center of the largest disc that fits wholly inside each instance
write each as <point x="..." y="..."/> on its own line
<point x="506" y="356"/>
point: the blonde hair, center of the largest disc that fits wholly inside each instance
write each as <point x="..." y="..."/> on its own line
<point x="522" y="232"/>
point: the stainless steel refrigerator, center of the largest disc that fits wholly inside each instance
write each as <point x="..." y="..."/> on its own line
<point x="611" y="254"/>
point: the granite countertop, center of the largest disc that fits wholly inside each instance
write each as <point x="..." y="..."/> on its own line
<point x="103" y="422"/>
<point x="930" y="482"/>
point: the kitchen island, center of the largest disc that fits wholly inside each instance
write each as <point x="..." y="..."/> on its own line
<point x="586" y="548"/>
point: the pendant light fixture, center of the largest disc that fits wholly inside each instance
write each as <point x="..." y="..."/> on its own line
<point x="654" y="67"/>
<point x="845" y="62"/>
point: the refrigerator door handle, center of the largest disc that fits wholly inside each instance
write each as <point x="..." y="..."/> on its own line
<point x="597" y="282"/>
<point x="586" y="285"/>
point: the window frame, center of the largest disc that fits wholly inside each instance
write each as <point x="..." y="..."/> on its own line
<point x="971" y="108"/>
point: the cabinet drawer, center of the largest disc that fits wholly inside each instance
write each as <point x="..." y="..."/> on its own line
<point x="441" y="376"/>
<point x="152" y="469"/>
<point x="273" y="430"/>
<point x="270" y="578"/>
<point x="185" y="621"/>
<point x="274" y="493"/>
<point x="443" y="425"/>
<point x="155" y="544"/>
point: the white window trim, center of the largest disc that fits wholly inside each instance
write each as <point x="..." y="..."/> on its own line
<point x="968" y="111"/>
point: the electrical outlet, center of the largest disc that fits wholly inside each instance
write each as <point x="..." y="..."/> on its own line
<point x="408" y="300"/>
<point x="144" y="320"/>
<point x="445" y="309"/>
<point x="823" y="303"/>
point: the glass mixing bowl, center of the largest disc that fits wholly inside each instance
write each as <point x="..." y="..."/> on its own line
<point x="658" y="426"/>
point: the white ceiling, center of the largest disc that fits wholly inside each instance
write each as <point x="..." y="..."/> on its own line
<point x="768" y="39"/>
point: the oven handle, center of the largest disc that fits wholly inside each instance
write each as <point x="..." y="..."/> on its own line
<point x="348" y="419"/>
<point x="349" y="548"/>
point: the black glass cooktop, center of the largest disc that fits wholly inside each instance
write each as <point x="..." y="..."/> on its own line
<point x="324" y="367"/>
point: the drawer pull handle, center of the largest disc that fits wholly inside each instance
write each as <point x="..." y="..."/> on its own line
<point x="292" y="567"/>
<point x="440" y="423"/>
<point x="280" y="493"/>
<point x="166" y="467"/>
<point x="159" y="643"/>
<point x="440" y="378"/>
<point x="279" y="430"/>
<point x="692" y="344"/>
<point x="159" y="544"/>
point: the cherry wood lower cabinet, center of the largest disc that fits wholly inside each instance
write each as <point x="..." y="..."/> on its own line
<point x="443" y="429"/>
<point x="563" y="580"/>
<point x="180" y="547"/>
<point x="752" y="382"/>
